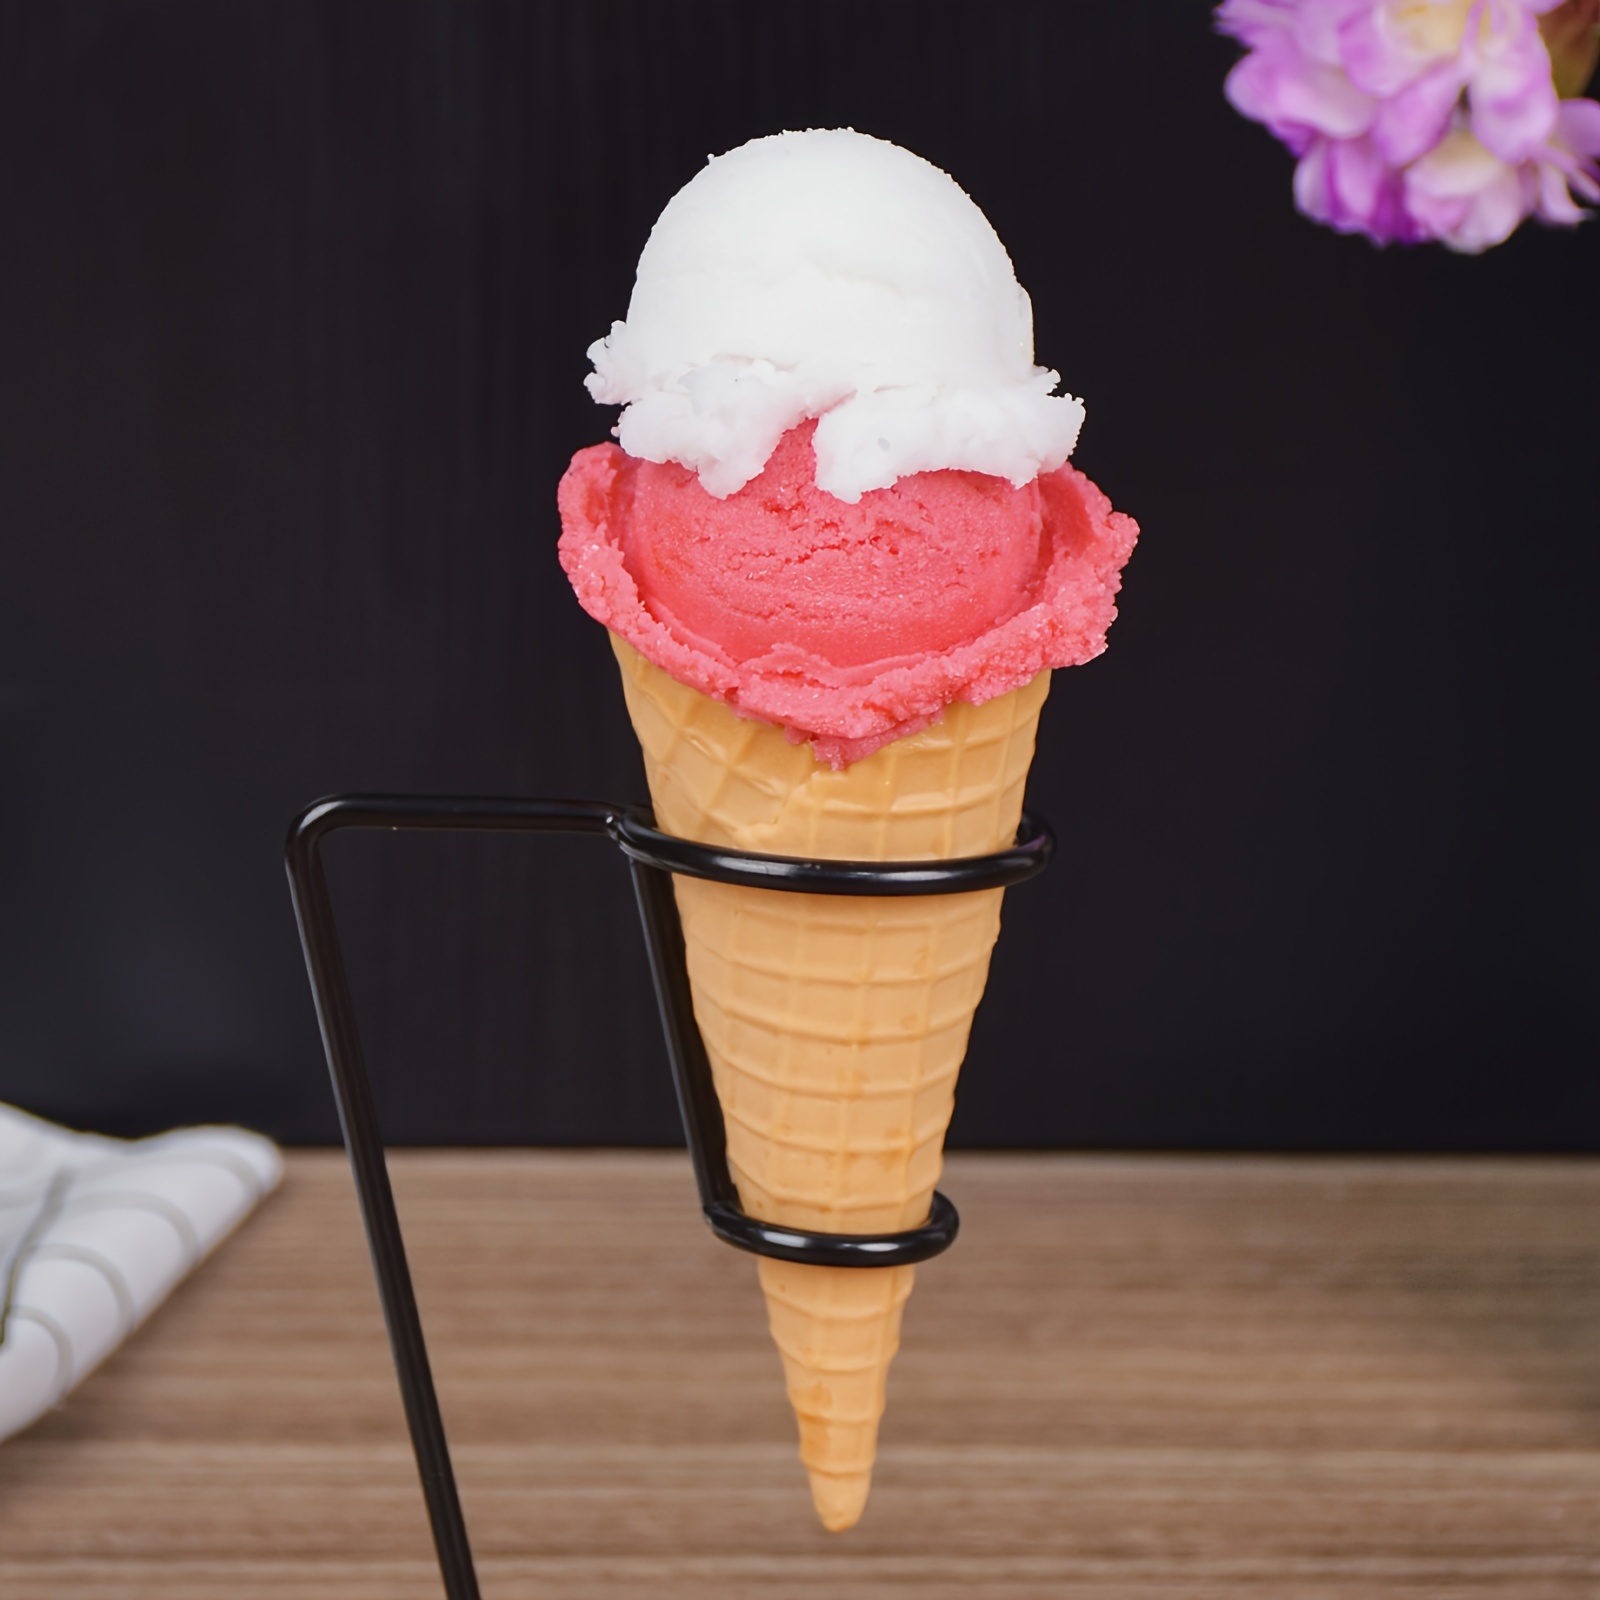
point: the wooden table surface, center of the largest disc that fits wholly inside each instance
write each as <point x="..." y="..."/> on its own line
<point x="1132" y="1378"/>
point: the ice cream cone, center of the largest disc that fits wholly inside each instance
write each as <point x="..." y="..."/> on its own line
<point x="835" y="1025"/>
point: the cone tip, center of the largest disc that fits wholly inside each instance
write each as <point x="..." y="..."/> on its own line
<point x="840" y="1498"/>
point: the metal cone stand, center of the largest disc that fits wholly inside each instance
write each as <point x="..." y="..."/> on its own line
<point x="653" y="858"/>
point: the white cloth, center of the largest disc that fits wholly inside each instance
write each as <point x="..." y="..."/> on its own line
<point x="94" y="1235"/>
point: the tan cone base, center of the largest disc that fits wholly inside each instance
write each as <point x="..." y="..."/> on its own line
<point x="835" y="1026"/>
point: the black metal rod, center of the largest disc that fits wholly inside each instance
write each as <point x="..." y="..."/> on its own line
<point x="358" y="1116"/>
<point x="653" y="858"/>
<point x="358" y="1119"/>
<point x="1029" y="856"/>
<point x="933" y="1238"/>
<point x="446" y="812"/>
<point x="698" y="1105"/>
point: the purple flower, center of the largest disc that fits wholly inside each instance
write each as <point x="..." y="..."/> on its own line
<point x="1417" y="119"/>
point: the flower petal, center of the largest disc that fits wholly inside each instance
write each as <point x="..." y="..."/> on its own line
<point x="1311" y="188"/>
<point x="1415" y="119"/>
<point x="1555" y="200"/>
<point x="1578" y="126"/>
<point x="1511" y="117"/>
<point x="1294" y="97"/>
<point x="1322" y="28"/>
<point x="1464" y="195"/>
<point x="1381" y="55"/>
<point x="1346" y="184"/>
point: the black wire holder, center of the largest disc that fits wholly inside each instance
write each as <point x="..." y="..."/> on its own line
<point x="653" y="858"/>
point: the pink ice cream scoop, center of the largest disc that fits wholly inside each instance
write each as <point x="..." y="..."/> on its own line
<point x="926" y="565"/>
<point x="840" y="501"/>
<point x="848" y="624"/>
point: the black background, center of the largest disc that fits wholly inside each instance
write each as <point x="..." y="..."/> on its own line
<point x="293" y="306"/>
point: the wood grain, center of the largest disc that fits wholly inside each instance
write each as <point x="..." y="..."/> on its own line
<point x="1133" y="1378"/>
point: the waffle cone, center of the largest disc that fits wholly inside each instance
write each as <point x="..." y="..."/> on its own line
<point x="835" y="1025"/>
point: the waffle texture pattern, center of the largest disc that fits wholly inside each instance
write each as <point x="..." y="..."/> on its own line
<point x="836" y="1026"/>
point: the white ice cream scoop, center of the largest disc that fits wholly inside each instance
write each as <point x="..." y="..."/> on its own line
<point x="828" y="274"/>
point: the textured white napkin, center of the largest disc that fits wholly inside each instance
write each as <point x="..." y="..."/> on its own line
<point x="95" y="1233"/>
